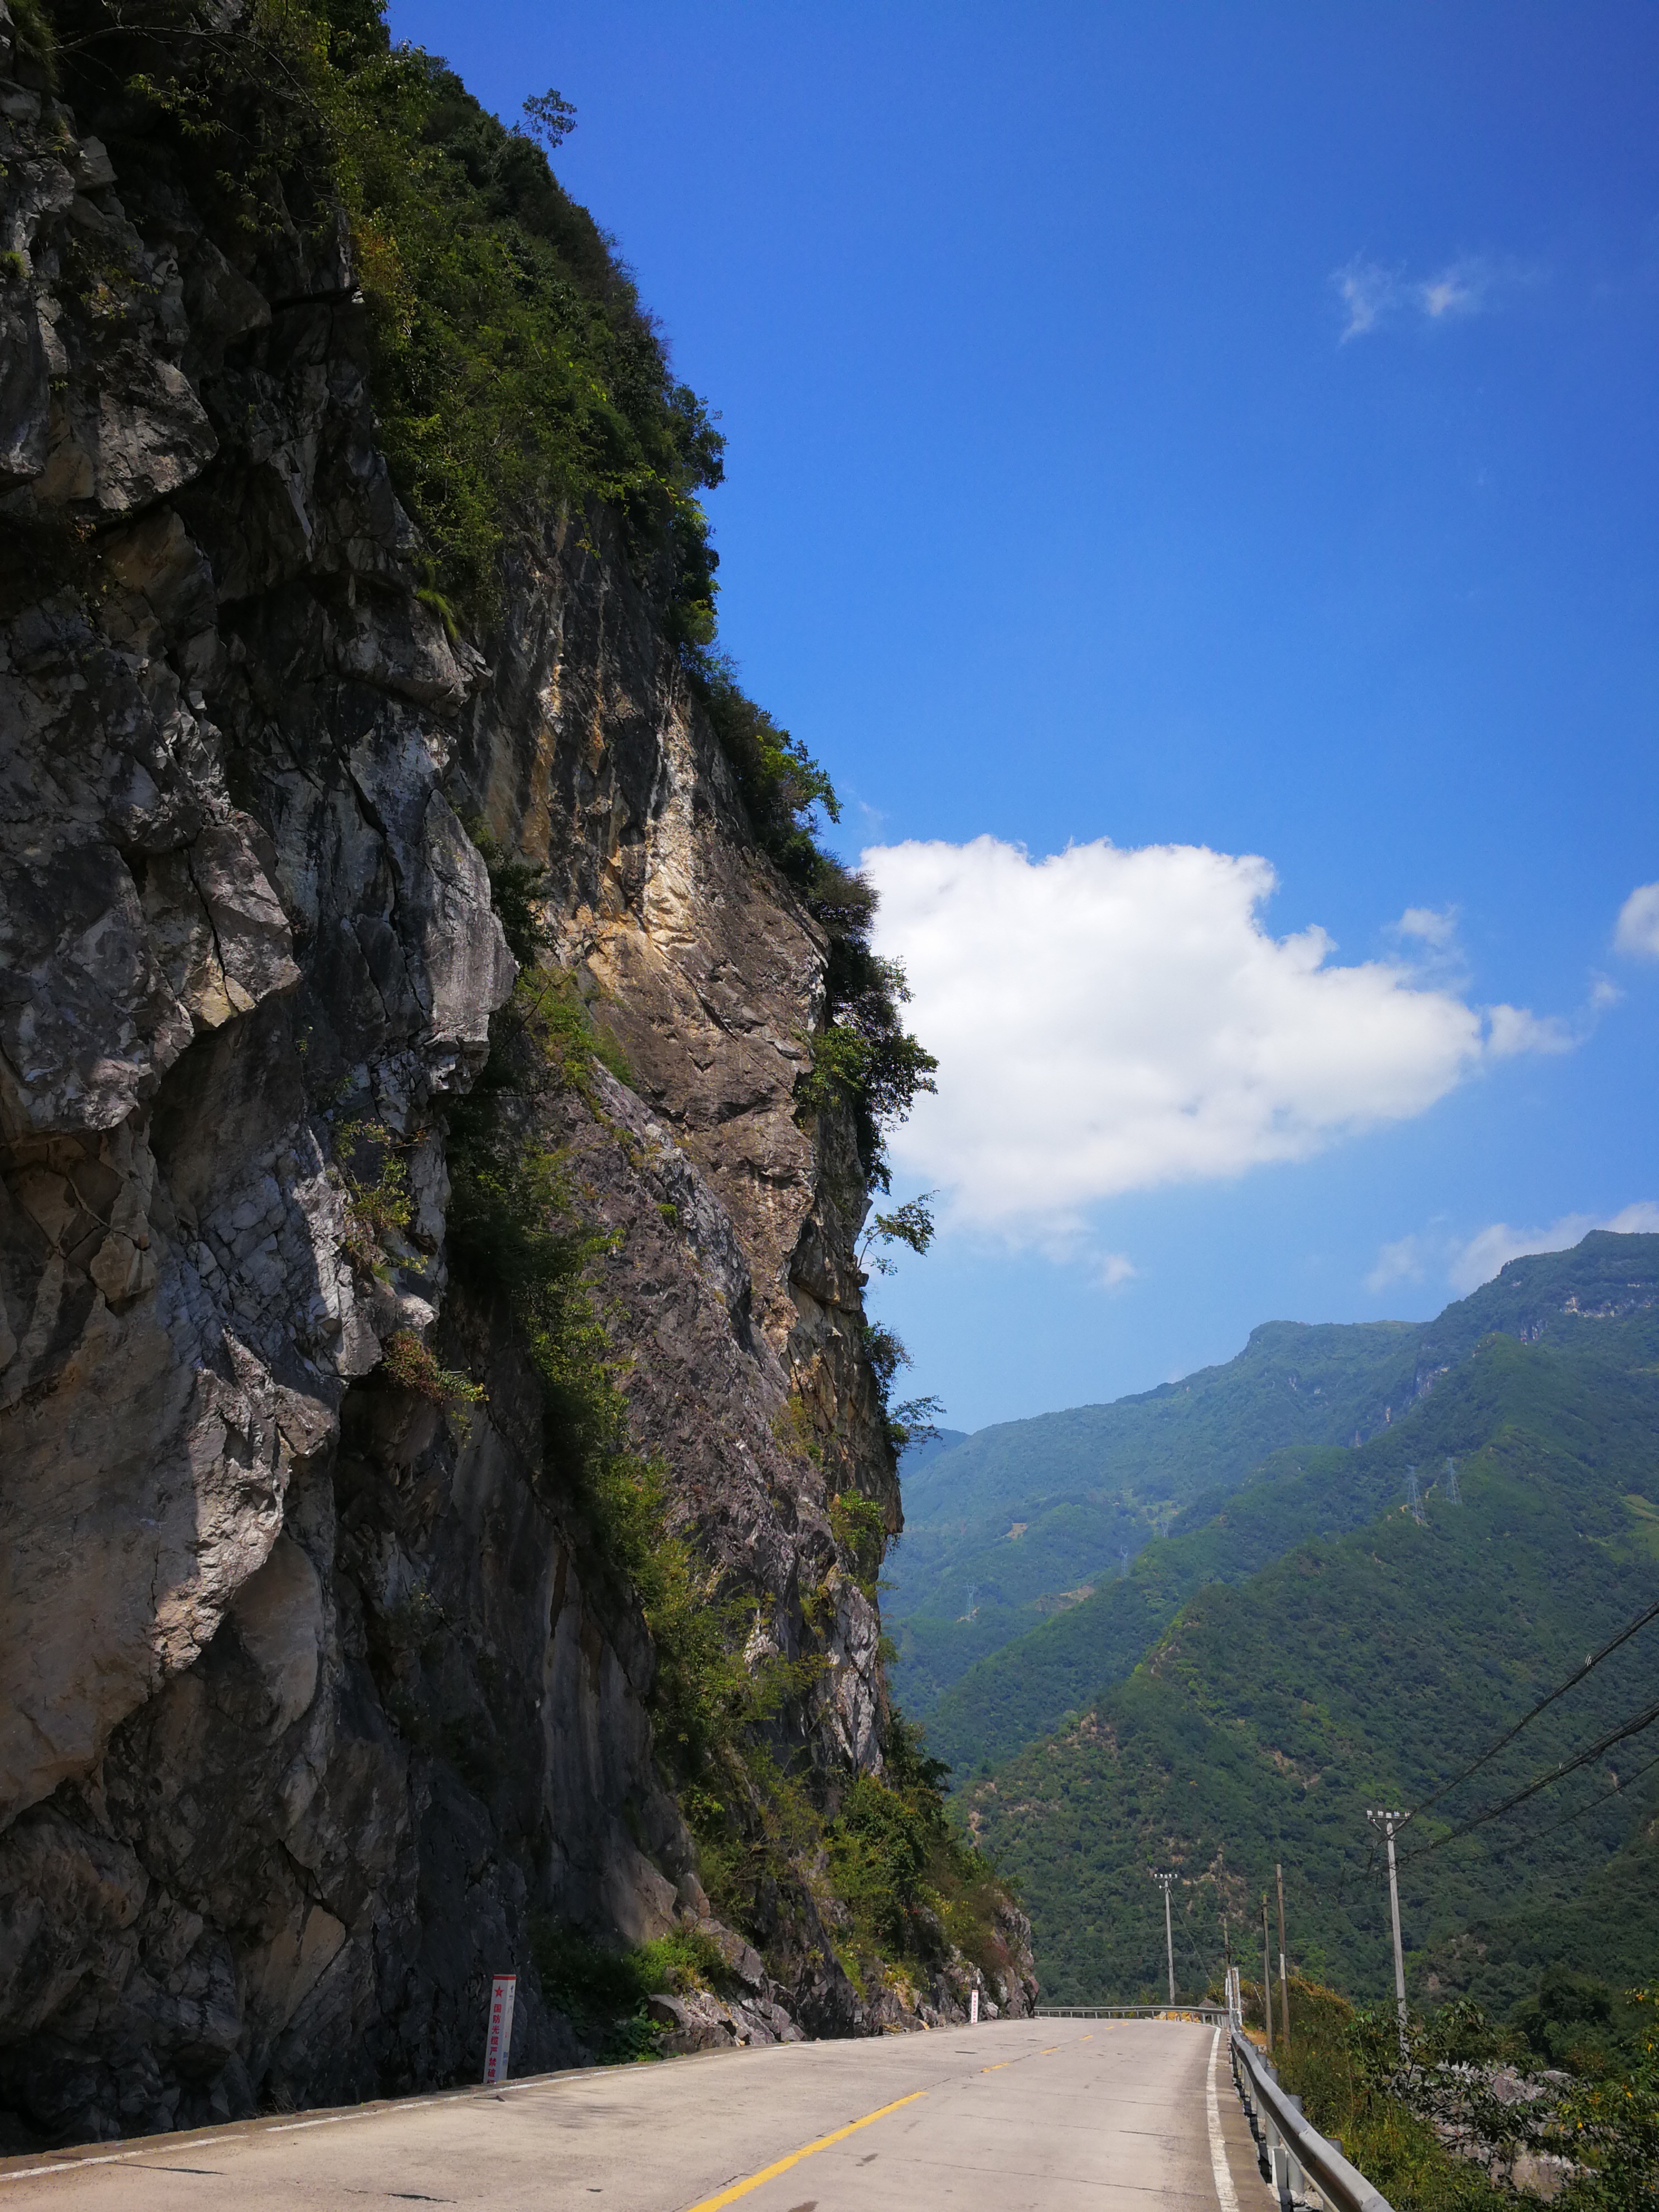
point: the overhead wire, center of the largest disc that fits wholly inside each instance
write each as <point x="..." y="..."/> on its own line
<point x="1350" y="1882"/>
<point x="1593" y="1660"/>
<point x="1634" y="1726"/>
<point x="1556" y="1773"/>
<point x="1594" y="1804"/>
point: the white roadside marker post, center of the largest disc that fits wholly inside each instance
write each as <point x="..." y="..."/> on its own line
<point x="498" y="2042"/>
<point x="973" y="2008"/>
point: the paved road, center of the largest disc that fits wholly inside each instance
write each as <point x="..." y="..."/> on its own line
<point x="1055" y="2115"/>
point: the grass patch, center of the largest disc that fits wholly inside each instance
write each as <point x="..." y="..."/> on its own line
<point x="896" y="1885"/>
<point x="603" y="1992"/>
<point x="415" y="1366"/>
<point x="860" y="1528"/>
<point x="369" y="1168"/>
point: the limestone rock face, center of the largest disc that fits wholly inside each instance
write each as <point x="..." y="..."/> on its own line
<point x="310" y="1694"/>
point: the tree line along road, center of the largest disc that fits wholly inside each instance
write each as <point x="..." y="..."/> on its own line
<point x="1055" y="2115"/>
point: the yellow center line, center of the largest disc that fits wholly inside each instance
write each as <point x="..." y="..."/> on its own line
<point x="997" y="2069"/>
<point x="1049" y="2052"/>
<point x="783" y="2165"/>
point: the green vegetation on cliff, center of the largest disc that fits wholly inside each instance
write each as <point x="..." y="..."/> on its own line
<point x="515" y="376"/>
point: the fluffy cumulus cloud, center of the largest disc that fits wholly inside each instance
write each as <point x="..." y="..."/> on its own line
<point x="1637" y="929"/>
<point x="1109" y="1021"/>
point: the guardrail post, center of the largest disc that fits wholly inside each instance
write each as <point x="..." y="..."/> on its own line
<point x="1281" y="2176"/>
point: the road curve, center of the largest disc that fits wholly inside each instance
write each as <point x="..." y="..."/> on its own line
<point x="1056" y="2116"/>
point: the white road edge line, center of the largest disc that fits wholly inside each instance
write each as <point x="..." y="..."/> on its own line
<point x="1224" y="2181"/>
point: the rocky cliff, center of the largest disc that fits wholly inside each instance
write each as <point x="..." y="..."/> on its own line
<point x="323" y="1690"/>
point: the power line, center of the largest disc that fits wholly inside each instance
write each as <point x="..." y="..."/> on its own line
<point x="1632" y="1727"/>
<point x="1351" y="1883"/>
<point x="1594" y="1659"/>
<point x="1594" y="1804"/>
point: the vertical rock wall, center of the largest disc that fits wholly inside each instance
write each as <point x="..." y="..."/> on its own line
<point x="310" y="1696"/>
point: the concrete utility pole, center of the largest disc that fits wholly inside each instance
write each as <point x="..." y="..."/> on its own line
<point x="1284" y="1976"/>
<point x="1390" y="1822"/>
<point x="1266" y="1980"/>
<point x="1164" y="1880"/>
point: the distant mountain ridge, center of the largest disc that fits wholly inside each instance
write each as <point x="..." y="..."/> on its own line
<point x="1028" y="1519"/>
<point x="1306" y="1643"/>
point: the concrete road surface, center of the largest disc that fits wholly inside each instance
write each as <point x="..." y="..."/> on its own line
<point x="1052" y="2115"/>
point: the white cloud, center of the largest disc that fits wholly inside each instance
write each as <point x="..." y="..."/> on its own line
<point x="1460" y="289"/>
<point x="1112" y="1269"/>
<point x="1478" y="1260"/>
<point x="1513" y="1030"/>
<point x="1400" y="1262"/>
<point x="1113" y="1020"/>
<point x="1368" y="292"/>
<point x="1372" y="293"/>
<point x="1637" y="930"/>
<point x="1431" y="926"/>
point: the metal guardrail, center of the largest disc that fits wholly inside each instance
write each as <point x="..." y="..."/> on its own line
<point x="1294" y="2153"/>
<point x="1205" y="2012"/>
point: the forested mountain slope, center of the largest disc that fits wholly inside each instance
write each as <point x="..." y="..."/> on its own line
<point x="1020" y="1520"/>
<point x="1367" y="1667"/>
<point x="1032" y="1518"/>
<point x="1027" y="1686"/>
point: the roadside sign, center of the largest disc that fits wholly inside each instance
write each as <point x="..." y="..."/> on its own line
<point x="498" y="2044"/>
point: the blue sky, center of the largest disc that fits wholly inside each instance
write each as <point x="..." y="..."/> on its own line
<point x="1190" y="427"/>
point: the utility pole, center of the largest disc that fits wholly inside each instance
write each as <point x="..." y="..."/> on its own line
<point x="1389" y="1823"/>
<point x="1266" y="1980"/>
<point x="1164" y="1881"/>
<point x="1284" y="1976"/>
<point x="1453" y="1495"/>
<point x="1413" y="1496"/>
